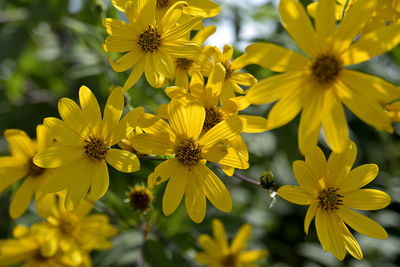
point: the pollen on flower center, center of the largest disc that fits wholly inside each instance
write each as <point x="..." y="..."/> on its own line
<point x="188" y="152"/>
<point x="34" y="170"/>
<point x="95" y="149"/>
<point x="228" y="69"/>
<point x="213" y="117"/>
<point x="325" y="69"/>
<point x="149" y="40"/>
<point x="184" y="63"/>
<point x="329" y="199"/>
<point x="162" y="3"/>
<point x="229" y="260"/>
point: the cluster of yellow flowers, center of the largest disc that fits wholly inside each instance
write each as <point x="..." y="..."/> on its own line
<point x="201" y="124"/>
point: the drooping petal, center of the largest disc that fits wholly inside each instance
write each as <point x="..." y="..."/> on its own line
<point x="127" y="61"/>
<point x="311" y="212"/>
<point x="214" y="189"/>
<point x="366" y="199"/>
<point x="305" y="177"/>
<point x="358" y="177"/>
<point x="239" y="243"/>
<point x="297" y="23"/>
<point x="163" y="171"/>
<point x="339" y="165"/>
<point x="362" y="223"/>
<point x="19" y="142"/>
<point x="174" y="191"/>
<point x="100" y="180"/>
<point x="22" y="198"/>
<point x="122" y="160"/>
<point x="295" y="194"/>
<point x="322" y="226"/>
<point x="276" y="58"/>
<point x="227" y="155"/>
<point x="135" y="75"/>
<point x="337" y="245"/>
<point x="153" y="76"/>
<point x="351" y="243"/>
<point x="195" y="199"/>
<point x="79" y="187"/>
<point x="164" y="64"/>
<point x="58" y="155"/>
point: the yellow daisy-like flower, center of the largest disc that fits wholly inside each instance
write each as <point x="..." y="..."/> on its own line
<point x="151" y="44"/>
<point x="320" y="85"/>
<point x="218" y="253"/>
<point x="333" y="190"/>
<point x="140" y="198"/>
<point x="84" y="145"/>
<point x="387" y="12"/>
<point x="233" y="78"/>
<point x="20" y="164"/>
<point x="187" y="173"/>
<point x="198" y="8"/>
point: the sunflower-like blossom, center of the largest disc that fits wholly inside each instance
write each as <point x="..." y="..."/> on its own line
<point x="84" y="145"/>
<point x="318" y="85"/>
<point x="151" y="44"/>
<point x="332" y="191"/>
<point x="218" y="253"/>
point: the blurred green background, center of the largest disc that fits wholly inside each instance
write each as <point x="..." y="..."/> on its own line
<point x="48" y="49"/>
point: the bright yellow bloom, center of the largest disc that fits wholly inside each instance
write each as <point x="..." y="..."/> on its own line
<point x="20" y="164"/>
<point x="233" y="78"/>
<point x="320" y="85"/>
<point x="151" y="44"/>
<point x="218" y="253"/>
<point x="84" y="145"/>
<point x="198" y="8"/>
<point x="387" y="12"/>
<point x="333" y="190"/>
<point x="187" y="172"/>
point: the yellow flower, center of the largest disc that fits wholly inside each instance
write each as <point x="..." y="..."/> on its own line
<point x="187" y="172"/>
<point x="151" y="44"/>
<point x="333" y="190"/>
<point x="393" y="111"/>
<point x="320" y="85"/>
<point x="387" y="12"/>
<point x="198" y="8"/>
<point x="83" y="148"/>
<point x="20" y="164"/>
<point x="140" y="197"/>
<point x="218" y="253"/>
<point x="233" y="78"/>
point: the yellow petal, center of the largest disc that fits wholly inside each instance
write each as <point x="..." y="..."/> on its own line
<point x="276" y="58"/>
<point x="127" y="61"/>
<point x="153" y="144"/>
<point x="163" y="171"/>
<point x="220" y="235"/>
<point x="113" y="111"/>
<point x="126" y="125"/>
<point x="225" y="130"/>
<point x="11" y="175"/>
<point x="254" y="124"/>
<point x="146" y="10"/>
<point x="204" y="8"/>
<point x="322" y="226"/>
<point x="19" y="142"/>
<point x="214" y="85"/>
<point x="22" y="198"/>
<point x="358" y="177"/>
<point x="275" y="87"/>
<point x="214" y="189"/>
<point x="295" y="20"/>
<point x="252" y="255"/>
<point x="44" y="137"/>
<point x="79" y="187"/>
<point x="171" y="17"/>
<point x="239" y="243"/>
<point x="305" y="177"/>
<point x="174" y="191"/>
<point x="186" y="118"/>
<point x="325" y="23"/>
<point x="153" y="75"/>
<point x="337" y="244"/>
<point x="100" y="180"/>
<point x="242" y="78"/>
<point x="195" y="199"/>
<point x="119" y="44"/>
<point x="208" y="244"/>
<point x="351" y="243"/>
<point x="311" y="212"/>
<point x="352" y="23"/>
<point x="295" y="194"/>
<point x="62" y="133"/>
<point x="135" y="75"/>
<point x="316" y="160"/>
<point x="122" y="160"/>
<point x="372" y="44"/>
<point x="362" y="223"/>
<point x="154" y="124"/>
<point x="164" y="64"/>
<point x="58" y="155"/>
<point x="181" y="49"/>
<point x="203" y="34"/>
<point x="181" y="31"/>
<point x="89" y="105"/>
<point x="119" y="28"/>
<point x="366" y="199"/>
<point x="225" y="154"/>
<point x="339" y="165"/>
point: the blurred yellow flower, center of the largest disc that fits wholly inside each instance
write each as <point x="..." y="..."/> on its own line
<point x="320" y="85"/>
<point x="84" y="146"/>
<point x="151" y="44"/>
<point x="140" y="198"/>
<point x="333" y="190"/>
<point x="187" y="172"/>
<point x="20" y="164"/>
<point x="218" y="253"/>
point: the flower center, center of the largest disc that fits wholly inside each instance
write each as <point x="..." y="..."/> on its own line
<point x="33" y="170"/>
<point x="188" y="152"/>
<point x="140" y="199"/>
<point x="162" y="3"/>
<point x="150" y="39"/>
<point x="228" y="69"/>
<point x="229" y="260"/>
<point x="329" y="199"/>
<point x="184" y="63"/>
<point x="95" y="149"/>
<point x="68" y="224"/>
<point x="213" y="117"/>
<point x="325" y="69"/>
